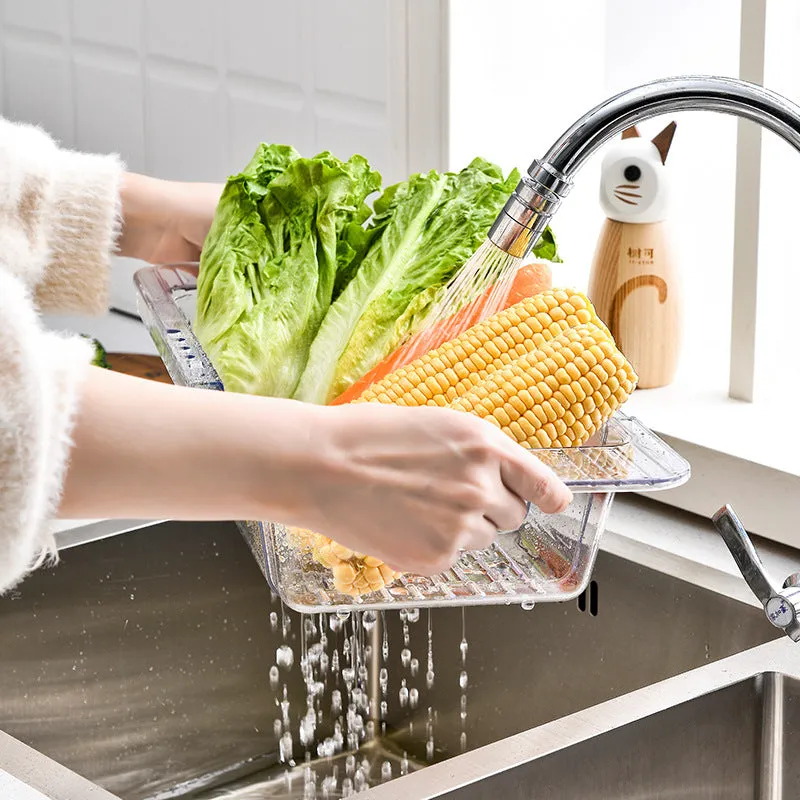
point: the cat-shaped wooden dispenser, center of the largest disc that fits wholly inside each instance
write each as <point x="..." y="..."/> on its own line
<point x="633" y="283"/>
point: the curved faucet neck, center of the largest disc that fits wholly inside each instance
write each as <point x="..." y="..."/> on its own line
<point x="539" y="194"/>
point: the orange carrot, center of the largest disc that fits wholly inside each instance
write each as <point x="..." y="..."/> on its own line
<point x="529" y="279"/>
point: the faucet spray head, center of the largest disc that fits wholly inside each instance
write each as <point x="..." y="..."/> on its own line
<point x="529" y="209"/>
<point x="539" y="194"/>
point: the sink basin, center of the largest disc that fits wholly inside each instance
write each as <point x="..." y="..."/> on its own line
<point x="737" y="743"/>
<point x="721" y="746"/>
<point x="142" y="662"/>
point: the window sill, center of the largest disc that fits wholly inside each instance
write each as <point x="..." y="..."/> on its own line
<point x="710" y="420"/>
<point x="735" y="456"/>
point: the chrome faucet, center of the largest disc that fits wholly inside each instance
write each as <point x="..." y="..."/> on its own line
<point x="548" y="181"/>
<point x="781" y="605"/>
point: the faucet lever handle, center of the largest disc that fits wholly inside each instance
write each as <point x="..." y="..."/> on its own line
<point x="782" y="606"/>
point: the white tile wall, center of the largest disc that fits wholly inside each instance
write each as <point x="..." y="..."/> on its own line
<point x="186" y="89"/>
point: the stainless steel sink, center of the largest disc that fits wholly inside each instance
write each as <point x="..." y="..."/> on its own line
<point x="142" y="661"/>
<point x="737" y="743"/>
<point x="721" y="732"/>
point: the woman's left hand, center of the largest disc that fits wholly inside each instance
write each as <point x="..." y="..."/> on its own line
<point x="165" y="221"/>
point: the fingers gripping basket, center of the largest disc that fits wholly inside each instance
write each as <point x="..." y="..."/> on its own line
<point x="548" y="559"/>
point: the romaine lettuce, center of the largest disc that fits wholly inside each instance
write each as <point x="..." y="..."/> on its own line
<point x="284" y="231"/>
<point x="435" y="223"/>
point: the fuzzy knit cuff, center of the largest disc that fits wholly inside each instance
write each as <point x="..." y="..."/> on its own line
<point x="42" y="375"/>
<point x="59" y="218"/>
<point x="83" y="227"/>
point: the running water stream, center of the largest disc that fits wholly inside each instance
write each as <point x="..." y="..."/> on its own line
<point x="333" y="740"/>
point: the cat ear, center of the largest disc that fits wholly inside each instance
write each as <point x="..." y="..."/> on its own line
<point x="664" y="140"/>
<point x="630" y="133"/>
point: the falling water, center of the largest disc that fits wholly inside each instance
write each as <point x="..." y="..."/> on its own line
<point x="344" y="709"/>
<point x="430" y="675"/>
<point x="463" y="680"/>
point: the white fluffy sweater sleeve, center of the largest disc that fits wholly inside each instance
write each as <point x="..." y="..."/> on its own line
<point x="59" y="220"/>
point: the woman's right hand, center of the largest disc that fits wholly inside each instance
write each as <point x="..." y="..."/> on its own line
<point x="414" y="486"/>
<point x="411" y="486"/>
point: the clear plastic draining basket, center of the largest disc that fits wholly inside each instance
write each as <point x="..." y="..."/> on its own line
<point x="549" y="559"/>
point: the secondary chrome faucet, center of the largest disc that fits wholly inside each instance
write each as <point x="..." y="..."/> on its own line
<point x="781" y="604"/>
<point x="539" y="194"/>
<point x="549" y="180"/>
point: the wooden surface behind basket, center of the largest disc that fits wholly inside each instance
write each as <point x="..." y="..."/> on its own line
<point x="140" y="366"/>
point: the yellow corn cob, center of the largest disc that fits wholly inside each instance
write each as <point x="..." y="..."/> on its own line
<point x="353" y="573"/>
<point x="558" y="395"/>
<point x="458" y="366"/>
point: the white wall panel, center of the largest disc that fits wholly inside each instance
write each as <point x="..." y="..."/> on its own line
<point x="186" y="89"/>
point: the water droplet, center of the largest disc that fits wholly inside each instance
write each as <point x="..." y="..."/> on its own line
<point x="335" y="661"/>
<point x="309" y="627"/>
<point x="386" y="771"/>
<point x="284" y="655"/>
<point x="329" y="787"/>
<point x="463" y="681"/>
<point x="384" y="708"/>
<point x="286" y="750"/>
<point x="274" y="677"/>
<point x="383" y="679"/>
<point x="413" y="697"/>
<point x="285" y="713"/>
<point x="338" y="739"/>
<point x="385" y="650"/>
<point x="464" y="646"/>
<point x="315" y="653"/>
<point x="429" y="750"/>
<point x="307" y="727"/>
<point x="343" y="616"/>
<point x="429" y="676"/>
<point x="277" y="728"/>
<point x="349" y="676"/>
<point x="360" y="780"/>
<point x="273" y="620"/>
<point x="133" y="597"/>
<point x="463" y="741"/>
<point x="350" y="764"/>
<point x="412" y="615"/>
<point x="368" y="620"/>
<point x="405" y="657"/>
<point x="403" y="694"/>
<point x="336" y="702"/>
<point x="363" y="673"/>
<point x="528" y="605"/>
<point x="334" y="623"/>
<point x="414" y="666"/>
<point x="323" y="663"/>
<point x="463" y="702"/>
<point x="347" y="787"/>
<point x="404" y="764"/>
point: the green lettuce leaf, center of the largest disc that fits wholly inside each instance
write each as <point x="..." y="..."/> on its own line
<point x="431" y="225"/>
<point x="285" y="231"/>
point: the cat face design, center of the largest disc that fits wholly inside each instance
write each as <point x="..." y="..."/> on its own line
<point x="633" y="183"/>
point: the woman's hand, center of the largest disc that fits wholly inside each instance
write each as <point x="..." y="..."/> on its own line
<point x="414" y="486"/>
<point x="165" y="221"/>
<point x="411" y="486"/>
